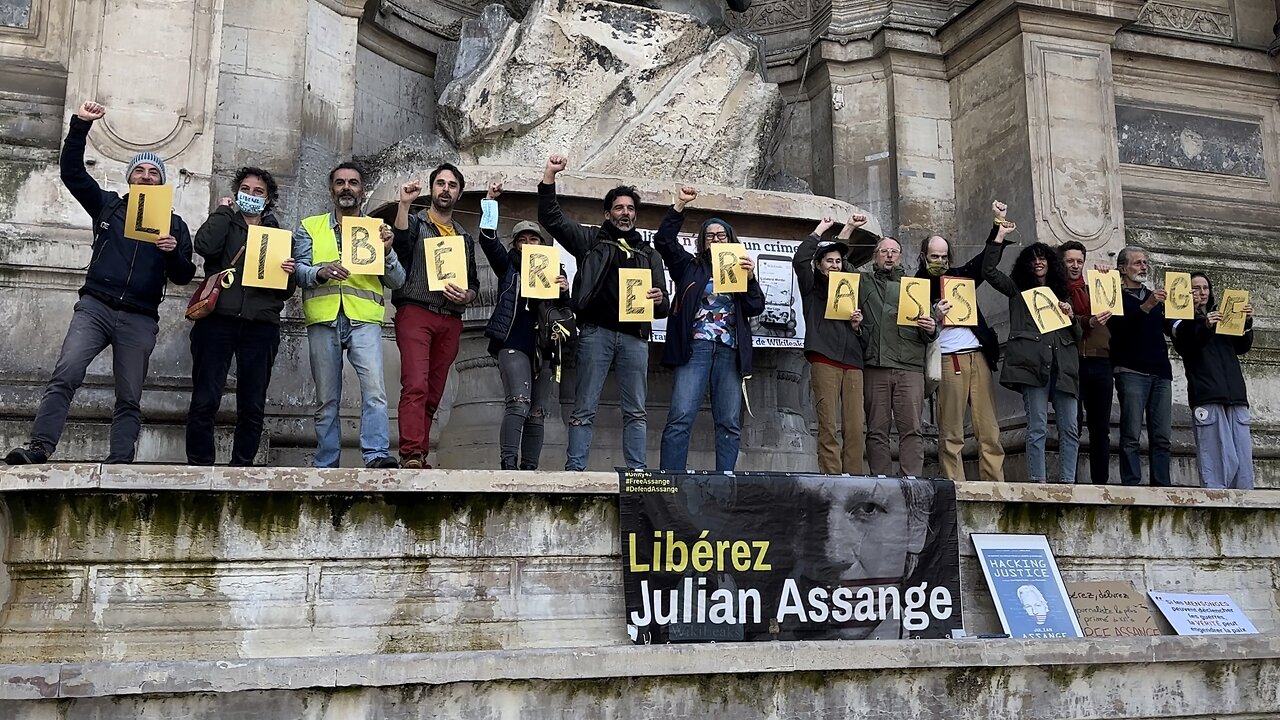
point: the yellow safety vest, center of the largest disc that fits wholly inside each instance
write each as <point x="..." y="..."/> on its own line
<point x="359" y="296"/>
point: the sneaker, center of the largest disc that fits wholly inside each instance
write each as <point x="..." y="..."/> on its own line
<point x="412" y="462"/>
<point x="32" y="454"/>
<point x="378" y="463"/>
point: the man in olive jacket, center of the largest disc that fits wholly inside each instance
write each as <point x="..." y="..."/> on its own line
<point x="893" y="389"/>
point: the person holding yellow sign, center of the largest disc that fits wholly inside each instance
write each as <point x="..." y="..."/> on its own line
<point x="834" y="345"/>
<point x="522" y="333"/>
<point x="1216" y="390"/>
<point x="119" y="304"/>
<point x="1041" y="357"/>
<point x="344" y="312"/>
<point x="436" y="252"/>
<point x="708" y="334"/>
<point x="245" y="323"/>
<point x="1097" y="384"/>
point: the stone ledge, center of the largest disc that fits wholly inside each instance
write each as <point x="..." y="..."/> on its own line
<point x="73" y="680"/>
<point x="156" y="478"/>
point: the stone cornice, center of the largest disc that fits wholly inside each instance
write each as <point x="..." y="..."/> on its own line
<point x="985" y="26"/>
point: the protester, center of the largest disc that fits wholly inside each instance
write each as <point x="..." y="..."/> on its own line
<point x="1096" y="380"/>
<point x="1143" y="374"/>
<point x="119" y="301"/>
<point x="1216" y="390"/>
<point x="893" y="393"/>
<point x="969" y="357"/>
<point x="604" y="341"/>
<point x="521" y="339"/>
<point x="834" y="349"/>
<point x="708" y="339"/>
<point x="244" y="324"/>
<point x="428" y="322"/>
<point x="1041" y="366"/>
<point x="344" y="312"/>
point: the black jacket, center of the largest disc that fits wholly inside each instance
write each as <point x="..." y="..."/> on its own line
<point x="973" y="269"/>
<point x="599" y="256"/>
<point x="1137" y="337"/>
<point x="691" y="273"/>
<point x="218" y="241"/>
<point x="505" y="264"/>
<point x="832" y="339"/>
<point x="1212" y="363"/>
<point x="125" y="274"/>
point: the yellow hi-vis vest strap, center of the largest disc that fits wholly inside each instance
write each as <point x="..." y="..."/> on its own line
<point x="359" y="296"/>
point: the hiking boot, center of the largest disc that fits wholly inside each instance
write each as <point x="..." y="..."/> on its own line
<point x="31" y="454"/>
<point x="384" y="462"/>
<point x="411" y="462"/>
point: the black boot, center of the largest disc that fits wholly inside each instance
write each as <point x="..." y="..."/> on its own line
<point x="32" y="454"/>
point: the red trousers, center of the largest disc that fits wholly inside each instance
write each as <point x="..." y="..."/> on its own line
<point x="428" y="343"/>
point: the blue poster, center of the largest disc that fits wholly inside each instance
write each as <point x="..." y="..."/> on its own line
<point x="1024" y="582"/>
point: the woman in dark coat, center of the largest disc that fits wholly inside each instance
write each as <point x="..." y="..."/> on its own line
<point x="1041" y="366"/>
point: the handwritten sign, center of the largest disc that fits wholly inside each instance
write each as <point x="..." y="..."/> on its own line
<point x="149" y="213"/>
<point x="633" y="306"/>
<point x="913" y="300"/>
<point x="842" y="295"/>
<point x="1232" y="309"/>
<point x="1104" y="292"/>
<point x="446" y="259"/>
<point x="362" y="249"/>
<point x="1195" y="614"/>
<point x="726" y="263"/>
<point x="962" y="293"/>
<point x="1044" y="309"/>
<point x="1178" y="304"/>
<point x="1110" y="609"/>
<point x="539" y="267"/>
<point x="264" y="251"/>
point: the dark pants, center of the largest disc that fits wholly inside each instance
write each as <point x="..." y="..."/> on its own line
<point x="528" y="394"/>
<point x="94" y="327"/>
<point x="1150" y="397"/>
<point x="1097" y="389"/>
<point x="215" y="340"/>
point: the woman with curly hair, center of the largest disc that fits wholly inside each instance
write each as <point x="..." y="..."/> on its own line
<point x="1041" y="366"/>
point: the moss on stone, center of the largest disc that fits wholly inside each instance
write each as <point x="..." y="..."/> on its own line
<point x="1034" y="518"/>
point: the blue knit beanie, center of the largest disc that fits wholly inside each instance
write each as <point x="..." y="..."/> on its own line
<point x="146" y="158"/>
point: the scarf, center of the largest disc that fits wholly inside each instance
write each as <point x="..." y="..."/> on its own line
<point x="1079" y="290"/>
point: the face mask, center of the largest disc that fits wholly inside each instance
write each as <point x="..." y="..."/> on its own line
<point x="937" y="267"/>
<point x="251" y="204"/>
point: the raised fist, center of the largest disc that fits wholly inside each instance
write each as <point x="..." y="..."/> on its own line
<point x="91" y="111"/>
<point x="824" y="225"/>
<point x="688" y="194"/>
<point x="999" y="208"/>
<point x="410" y="191"/>
<point x="857" y="220"/>
<point x="495" y="189"/>
<point x="557" y="163"/>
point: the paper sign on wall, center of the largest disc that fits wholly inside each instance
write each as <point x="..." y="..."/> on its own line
<point x="842" y="295"/>
<point x="149" y="213"/>
<point x="264" y="251"/>
<point x="446" y="259"/>
<point x="1232" y="309"/>
<point x="1111" y="609"/>
<point x="633" y="284"/>
<point x="913" y="300"/>
<point x="962" y="293"/>
<point x="1044" y="309"/>
<point x="1104" y="292"/>
<point x="362" y="249"/>
<point x="1177" y="303"/>
<point x="726" y="263"/>
<point x="1196" y="614"/>
<point x="1025" y="583"/>
<point x="539" y="268"/>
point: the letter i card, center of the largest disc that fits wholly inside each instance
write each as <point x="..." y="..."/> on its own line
<point x="264" y="252"/>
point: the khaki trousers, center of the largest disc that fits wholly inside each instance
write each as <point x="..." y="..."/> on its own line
<point x="838" y="393"/>
<point x="969" y="387"/>
<point x="894" y="397"/>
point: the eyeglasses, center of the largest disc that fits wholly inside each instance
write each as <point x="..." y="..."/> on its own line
<point x="889" y="251"/>
<point x="717" y="236"/>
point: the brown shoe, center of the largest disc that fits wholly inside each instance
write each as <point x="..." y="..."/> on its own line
<point x="413" y="462"/>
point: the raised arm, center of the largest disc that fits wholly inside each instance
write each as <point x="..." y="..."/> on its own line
<point x="573" y="237"/>
<point x="861" y="242"/>
<point x="83" y="187"/>
<point x="995" y="250"/>
<point x="667" y="241"/>
<point x="499" y="260"/>
<point x="802" y="260"/>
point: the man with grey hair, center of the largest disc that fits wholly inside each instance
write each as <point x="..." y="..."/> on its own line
<point x="1143" y="374"/>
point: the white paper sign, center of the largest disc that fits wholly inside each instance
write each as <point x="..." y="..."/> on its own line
<point x="1195" y="614"/>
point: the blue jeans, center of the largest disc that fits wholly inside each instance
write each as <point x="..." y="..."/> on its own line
<point x="598" y="350"/>
<point x="1153" y="396"/>
<point x="716" y="363"/>
<point x="363" y="344"/>
<point x="1036" y="402"/>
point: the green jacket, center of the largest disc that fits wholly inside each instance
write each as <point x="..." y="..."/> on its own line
<point x="889" y="345"/>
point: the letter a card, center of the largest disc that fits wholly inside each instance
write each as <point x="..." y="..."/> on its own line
<point x="1104" y="292"/>
<point x="148" y="215"/>
<point x="962" y="293"/>
<point x="913" y="300"/>
<point x="265" y="250"/>
<point x="446" y="261"/>
<point x="362" y="250"/>
<point x="1044" y="309"/>
<point x="842" y="295"/>
<point x="633" y="306"/>
<point x="539" y="267"/>
<point x="726" y="263"/>
<point x="1178" y="304"/>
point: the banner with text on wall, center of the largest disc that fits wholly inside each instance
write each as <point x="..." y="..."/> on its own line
<point x="781" y="556"/>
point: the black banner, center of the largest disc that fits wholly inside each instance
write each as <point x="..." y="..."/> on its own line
<point x="780" y="556"/>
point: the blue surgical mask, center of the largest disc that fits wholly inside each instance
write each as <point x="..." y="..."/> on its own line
<point x="250" y="204"/>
